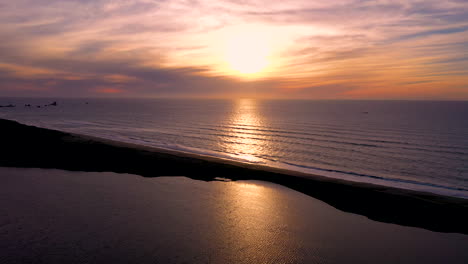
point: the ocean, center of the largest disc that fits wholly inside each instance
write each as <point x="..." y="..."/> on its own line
<point x="418" y="145"/>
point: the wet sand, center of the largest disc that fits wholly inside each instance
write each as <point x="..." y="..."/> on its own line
<point x="26" y="146"/>
<point x="55" y="216"/>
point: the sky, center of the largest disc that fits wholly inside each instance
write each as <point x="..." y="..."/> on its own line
<point x="307" y="49"/>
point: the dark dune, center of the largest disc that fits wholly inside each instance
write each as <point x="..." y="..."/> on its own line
<point x="27" y="146"/>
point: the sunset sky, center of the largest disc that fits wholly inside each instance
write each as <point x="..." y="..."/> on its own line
<point x="336" y="49"/>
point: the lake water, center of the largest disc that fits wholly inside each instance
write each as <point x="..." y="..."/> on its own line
<point x="407" y="144"/>
<point x="55" y="216"/>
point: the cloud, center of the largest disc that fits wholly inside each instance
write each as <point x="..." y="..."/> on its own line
<point x="322" y="49"/>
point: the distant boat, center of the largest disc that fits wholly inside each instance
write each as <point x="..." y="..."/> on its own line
<point x="10" y="105"/>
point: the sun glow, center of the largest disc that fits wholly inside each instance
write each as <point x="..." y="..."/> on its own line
<point x="248" y="51"/>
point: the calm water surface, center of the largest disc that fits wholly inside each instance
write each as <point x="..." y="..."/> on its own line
<point x="408" y="144"/>
<point x="54" y="216"/>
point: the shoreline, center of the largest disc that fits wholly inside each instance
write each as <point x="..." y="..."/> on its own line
<point x="28" y="146"/>
<point x="288" y="169"/>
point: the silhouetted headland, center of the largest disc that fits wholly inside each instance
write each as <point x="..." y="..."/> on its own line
<point x="28" y="146"/>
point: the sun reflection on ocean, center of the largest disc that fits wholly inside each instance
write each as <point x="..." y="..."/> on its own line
<point x="246" y="140"/>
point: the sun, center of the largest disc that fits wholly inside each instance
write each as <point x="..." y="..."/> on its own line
<point x="247" y="52"/>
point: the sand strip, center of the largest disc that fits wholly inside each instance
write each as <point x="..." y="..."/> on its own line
<point x="28" y="146"/>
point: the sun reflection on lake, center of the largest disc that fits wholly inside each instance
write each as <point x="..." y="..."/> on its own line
<point x="246" y="138"/>
<point x="256" y="227"/>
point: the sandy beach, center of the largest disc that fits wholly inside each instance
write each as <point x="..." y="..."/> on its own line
<point x="56" y="216"/>
<point x="26" y="146"/>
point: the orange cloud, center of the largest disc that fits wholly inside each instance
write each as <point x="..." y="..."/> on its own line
<point x="109" y="90"/>
<point x="361" y="49"/>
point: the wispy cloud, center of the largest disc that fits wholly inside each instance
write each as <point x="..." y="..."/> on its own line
<point x="321" y="49"/>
